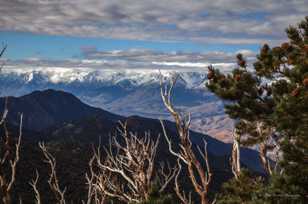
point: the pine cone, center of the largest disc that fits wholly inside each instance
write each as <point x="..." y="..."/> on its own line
<point x="285" y="45"/>
<point x="306" y="48"/>
<point x="222" y="77"/>
<point x="305" y="82"/>
<point x="290" y="61"/>
<point x="276" y="50"/>
<point x="295" y="92"/>
<point x="237" y="77"/>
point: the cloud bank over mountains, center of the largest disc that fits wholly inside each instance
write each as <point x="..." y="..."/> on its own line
<point x="136" y="59"/>
<point x="206" y="21"/>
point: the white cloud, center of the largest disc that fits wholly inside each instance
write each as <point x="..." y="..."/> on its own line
<point x="135" y="60"/>
<point x="95" y="62"/>
<point x="182" y="64"/>
<point x="219" y="21"/>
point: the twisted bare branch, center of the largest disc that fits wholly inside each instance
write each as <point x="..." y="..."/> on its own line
<point x="10" y="156"/>
<point x="200" y="175"/>
<point x="266" y="133"/>
<point x="166" y="174"/>
<point x="53" y="179"/>
<point x="33" y="184"/>
<point x="235" y="156"/>
<point x="180" y="193"/>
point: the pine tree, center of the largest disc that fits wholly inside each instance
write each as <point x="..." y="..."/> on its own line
<point x="270" y="104"/>
<point x="246" y="189"/>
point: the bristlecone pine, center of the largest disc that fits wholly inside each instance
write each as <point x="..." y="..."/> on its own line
<point x="281" y="116"/>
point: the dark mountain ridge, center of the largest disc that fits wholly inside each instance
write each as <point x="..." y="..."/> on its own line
<point x="70" y="127"/>
<point x="56" y="113"/>
<point x="45" y="109"/>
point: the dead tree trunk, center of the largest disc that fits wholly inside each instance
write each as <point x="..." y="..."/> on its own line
<point x="9" y="159"/>
<point x="199" y="175"/>
<point x="235" y="156"/>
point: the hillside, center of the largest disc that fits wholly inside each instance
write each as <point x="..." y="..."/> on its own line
<point x="73" y="127"/>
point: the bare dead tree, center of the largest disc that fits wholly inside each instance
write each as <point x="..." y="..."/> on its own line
<point x="10" y="154"/>
<point x="53" y="179"/>
<point x="235" y="156"/>
<point x="128" y="171"/>
<point x="33" y="184"/>
<point x="200" y="175"/>
<point x="9" y="159"/>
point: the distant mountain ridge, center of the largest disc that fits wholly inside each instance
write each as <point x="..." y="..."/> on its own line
<point x="61" y="115"/>
<point x="126" y="92"/>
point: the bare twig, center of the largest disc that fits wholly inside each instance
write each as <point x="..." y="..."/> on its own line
<point x="33" y="184"/>
<point x="3" y="50"/>
<point x="1" y="54"/>
<point x="180" y="193"/>
<point x="5" y="112"/>
<point x="53" y="179"/>
<point x="166" y="175"/>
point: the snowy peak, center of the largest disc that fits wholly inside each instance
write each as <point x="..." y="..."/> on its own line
<point x="128" y="77"/>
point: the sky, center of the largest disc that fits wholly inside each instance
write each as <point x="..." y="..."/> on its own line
<point x="160" y="30"/>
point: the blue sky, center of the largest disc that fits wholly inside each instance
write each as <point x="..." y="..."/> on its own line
<point x="25" y="45"/>
<point x="62" y="29"/>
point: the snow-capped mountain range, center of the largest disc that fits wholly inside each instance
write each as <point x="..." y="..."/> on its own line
<point x="136" y="77"/>
<point x="126" y="92"/>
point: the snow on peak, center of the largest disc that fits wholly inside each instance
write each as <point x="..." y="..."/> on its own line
<point x="109" y="76"/>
